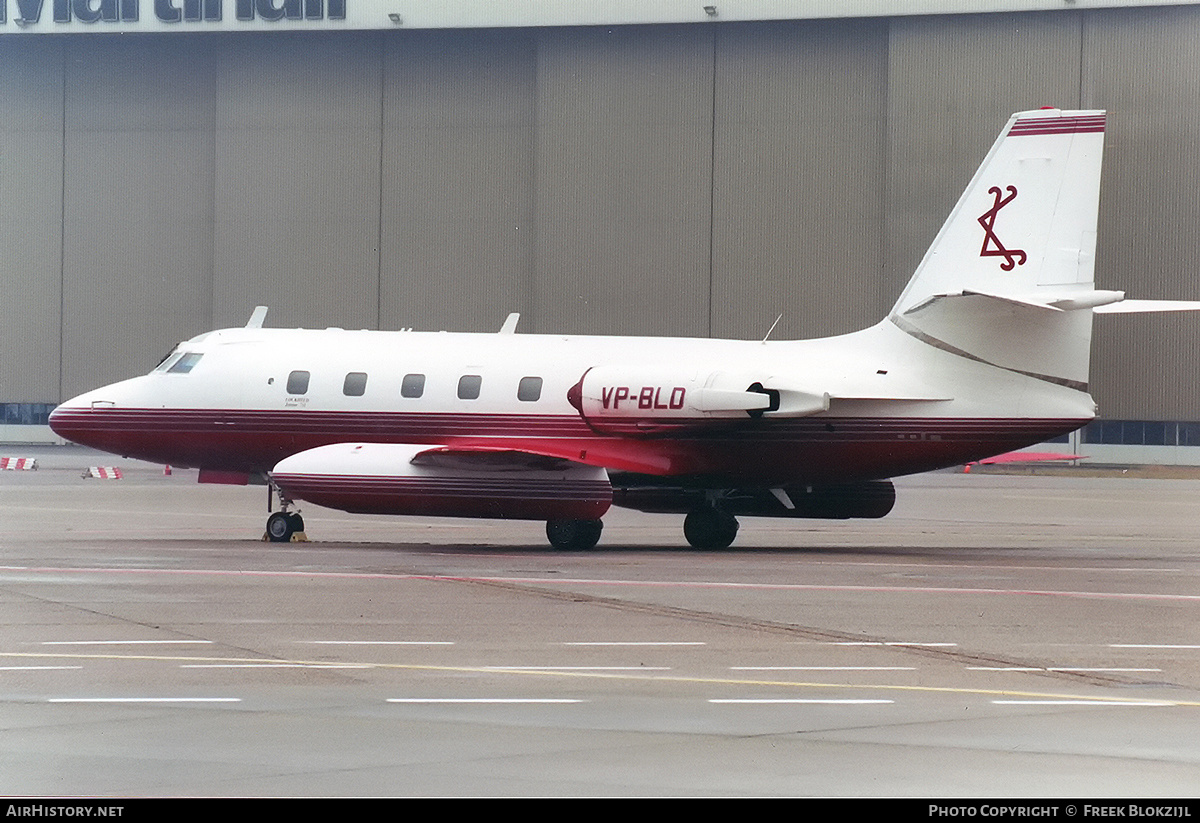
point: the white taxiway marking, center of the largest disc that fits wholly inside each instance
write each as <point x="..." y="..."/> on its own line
<point x="482" y="700"/>
<point x="1153" y="646"/>
<point x="636" y="643"/>
<point x="579" y="668"/>
<point x="886" y="643"/>
<point x="1100" y="702"/>
<point x="766" y="700"/>
<point x="34" y="668"/>
<point x="120" y="642"/>
<point x="1052" y="669"/>
<point x="276" y="666"/>
<point x="144" y="700"/>
<point x="823" y="668"/>
<point x="378" y="642"/>
<point x="1096" y="669"/>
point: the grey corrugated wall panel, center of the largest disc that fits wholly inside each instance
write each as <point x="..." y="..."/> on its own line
<point x="297" y="180"/>
<point x="138" y="204"/>
<point x="30" y="218"/>
<point x="457" y="174"/>
<point x="953" y="83"/>
<point x="1144" y="66"/>
<point x="799" y="177"/>
<point x="623" y="187"/>
<point x="599" y="143"/>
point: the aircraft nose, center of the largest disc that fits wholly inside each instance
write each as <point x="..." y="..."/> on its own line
<point x="92" y="418"/>
<point x="75" y="420"/>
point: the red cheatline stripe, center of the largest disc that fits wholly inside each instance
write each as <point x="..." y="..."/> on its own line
<point x="398" y="428"/>
<point x="1058" y="125"/>
<point x="235" y="421"/>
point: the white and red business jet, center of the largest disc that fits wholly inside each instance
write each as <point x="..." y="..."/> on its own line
<point x="986" y="351"/>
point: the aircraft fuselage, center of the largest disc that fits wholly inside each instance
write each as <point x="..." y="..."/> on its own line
<point x="255" y="396"/>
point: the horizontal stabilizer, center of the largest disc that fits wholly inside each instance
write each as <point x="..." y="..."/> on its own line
<point x="1033" y="338"/>
<point x="1096" y="299"/>
<point x="1148" y="306"/>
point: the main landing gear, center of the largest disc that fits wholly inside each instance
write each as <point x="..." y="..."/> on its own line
<point x="283" y="526"/>
<point x="706" y="527"/>
<point x="710" y="528"/>
<point x="574" y="535"/>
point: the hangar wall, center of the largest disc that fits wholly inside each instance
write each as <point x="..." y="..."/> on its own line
<point x="674" y="179"/>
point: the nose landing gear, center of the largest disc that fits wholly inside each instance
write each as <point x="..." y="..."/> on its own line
<point x="283" y="526"/>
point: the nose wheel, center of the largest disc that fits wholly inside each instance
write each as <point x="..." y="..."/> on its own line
<point x="710" y="528"/>
<point x="282" y="526"/>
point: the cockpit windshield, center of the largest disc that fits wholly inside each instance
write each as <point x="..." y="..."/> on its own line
<point x="162" y="364"/>
<point x="179" y="362"/>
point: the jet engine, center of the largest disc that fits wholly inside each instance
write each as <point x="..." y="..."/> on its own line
<point x="651" y="400"/>
<point x="385" y="478"/>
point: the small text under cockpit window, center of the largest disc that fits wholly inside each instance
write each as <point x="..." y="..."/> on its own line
<point x="185" y="364"/>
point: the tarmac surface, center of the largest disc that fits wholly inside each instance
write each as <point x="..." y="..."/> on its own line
<point x="995" y="636"/>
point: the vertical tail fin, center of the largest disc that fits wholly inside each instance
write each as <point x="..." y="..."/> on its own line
<point x="1009" y="278"/>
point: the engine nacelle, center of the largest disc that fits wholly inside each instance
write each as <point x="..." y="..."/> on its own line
<point x="382" y="478"/>
<point x="653" y="400"/>
<point x="870" y="499"/>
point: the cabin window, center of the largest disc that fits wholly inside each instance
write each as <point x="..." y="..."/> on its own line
<point x="468" y="386"/>
<point x="355" y="384"/>
<point x="413" y="385"/>
<point x="184" y="364"/>
<point x="529" y="389"/>
<point x="297" y="382"/>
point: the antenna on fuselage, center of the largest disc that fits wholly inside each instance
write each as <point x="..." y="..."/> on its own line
<point x="256" y="319"/>
<point x="510" y="324"/>
<point x="773" y="325"/>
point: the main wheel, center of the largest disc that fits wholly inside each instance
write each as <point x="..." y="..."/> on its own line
<point x="710" y="528"/>
<point x="573" y="535"/>
<point x="280" y="527"/>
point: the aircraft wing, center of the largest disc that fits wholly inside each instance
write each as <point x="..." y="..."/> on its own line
<point x="491" y="458"/>
<point x="616" y="455"/>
